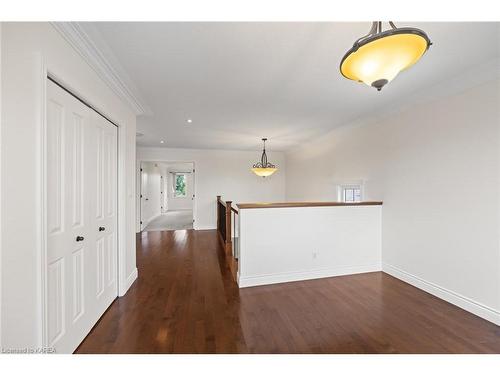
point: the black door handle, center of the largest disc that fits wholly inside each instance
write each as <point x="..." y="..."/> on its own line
<point x="79" y="238"/>
<point x="101" y="229"/>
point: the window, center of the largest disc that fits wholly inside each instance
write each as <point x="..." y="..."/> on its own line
<point x="179" y="185"/>
<point x="350" y="193"/>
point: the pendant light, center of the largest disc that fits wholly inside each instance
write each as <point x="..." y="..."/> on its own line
<point x="263" y="168"/>
<point x="376" y="58"/>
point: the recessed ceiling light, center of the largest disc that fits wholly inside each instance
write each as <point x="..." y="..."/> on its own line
<point x="189" y="120"/>
<point x="162" y="141"/>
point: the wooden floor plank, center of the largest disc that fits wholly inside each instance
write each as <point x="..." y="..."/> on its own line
<point x="186" y="301"/>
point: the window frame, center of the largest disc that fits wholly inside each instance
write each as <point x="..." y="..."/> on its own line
<point x="350" y="186"/>
<point x="174" y="182"/>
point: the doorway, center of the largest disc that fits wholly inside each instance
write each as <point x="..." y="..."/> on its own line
<point x="166" y="195"/>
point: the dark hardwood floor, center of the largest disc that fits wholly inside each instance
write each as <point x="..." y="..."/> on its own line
<point x="185" y="301"/>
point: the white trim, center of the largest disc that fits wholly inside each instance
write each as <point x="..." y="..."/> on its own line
<point x="42" y="203"/>
<point x="76" y="36"/>
<point x="121" y="210"/>
<point x="454" y="298"/>
<point x="498" y="208"/>
<point x="128" y="282"/>
<point x="1" y="182"/>
<point x="203" y="227"/>
<point x="248" y="281"/>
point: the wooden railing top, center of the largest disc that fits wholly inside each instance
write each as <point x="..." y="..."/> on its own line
<point x="222" y="202"/>
<point x="305" y="204"/>
<point x="225" y="205"/>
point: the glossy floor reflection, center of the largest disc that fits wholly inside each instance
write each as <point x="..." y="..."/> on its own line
<point x="185" y="301"/>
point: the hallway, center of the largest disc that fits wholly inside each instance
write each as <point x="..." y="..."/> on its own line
<point x="171" y="220"/>
<point x="185" y="301"/>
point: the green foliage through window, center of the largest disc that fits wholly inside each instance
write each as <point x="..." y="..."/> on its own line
<point x="180" y="185"/>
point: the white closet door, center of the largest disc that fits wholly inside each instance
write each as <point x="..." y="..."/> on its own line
<point x="105" y="212"/>
<point x="78" y="265"/>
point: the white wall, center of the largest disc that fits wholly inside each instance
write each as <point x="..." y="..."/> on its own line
<point x="226" y="173"/>
<point x="26" y="49"/>
<point x="436" y="168"/>
<point x="299" y="243"/>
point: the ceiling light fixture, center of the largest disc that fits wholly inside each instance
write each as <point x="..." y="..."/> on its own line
<point x="376" y="58"/>
<point x="162" y="141"/>
<point x="263" y="168"/>
<point x="189" y="120"/>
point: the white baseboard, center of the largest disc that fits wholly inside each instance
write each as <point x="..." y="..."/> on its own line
<point x="203" y="227"/>
<point x="456" y="299"/>
<point x="249" y="281"/>
<point x="128" y="283"/>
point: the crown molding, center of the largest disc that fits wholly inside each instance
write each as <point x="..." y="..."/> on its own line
<point x="79" y="39"/>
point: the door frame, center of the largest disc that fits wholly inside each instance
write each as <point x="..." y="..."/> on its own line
<point x="123" y="282"/>
<point x="140" y="193"/>
<point x="139" y="188"/>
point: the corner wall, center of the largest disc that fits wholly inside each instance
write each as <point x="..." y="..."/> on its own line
<point x="436" y="167"/>
<point x="26" y="49"/>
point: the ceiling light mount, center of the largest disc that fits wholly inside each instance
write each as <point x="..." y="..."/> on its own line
<point x="263" y="168"/>
<point x="377" y="57"/>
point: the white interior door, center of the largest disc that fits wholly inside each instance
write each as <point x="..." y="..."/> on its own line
<point x="163" y="193"/>
<point x="81" y="260"/>
<point x="144" y="197"/>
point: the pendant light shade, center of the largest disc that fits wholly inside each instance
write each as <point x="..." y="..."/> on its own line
<point x="263" y="168"/>
<point x="377" y="58"/>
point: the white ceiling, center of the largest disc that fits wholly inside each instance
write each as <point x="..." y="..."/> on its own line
<point x="173" y="166"/>
<point x="239" y="82"/>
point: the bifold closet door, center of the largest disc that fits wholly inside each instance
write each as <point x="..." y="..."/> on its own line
<point x="80" y="199"/>
<point x="105" y="211"/>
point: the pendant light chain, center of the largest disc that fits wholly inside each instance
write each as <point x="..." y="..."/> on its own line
<point x="263" y="159"/>
<point x="263" y="168"/>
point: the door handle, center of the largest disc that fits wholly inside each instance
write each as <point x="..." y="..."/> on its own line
<point x="147" y="199"/>
<point x="79" y="238"/>
<point x="101" y="229"/>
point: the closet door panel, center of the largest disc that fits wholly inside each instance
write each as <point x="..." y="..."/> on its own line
<point x="106" y="215"/>
<point x="67" y="219"/>
<point x="81" y="201"/>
